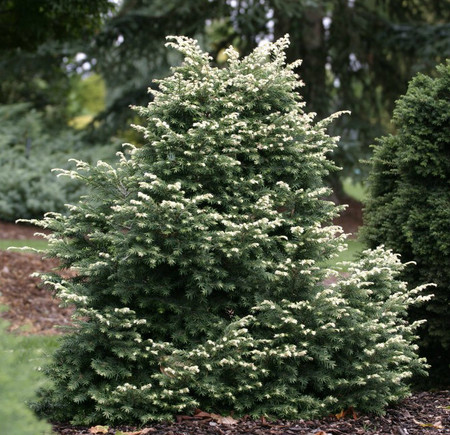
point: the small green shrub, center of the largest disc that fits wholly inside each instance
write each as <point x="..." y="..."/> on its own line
<point x="409" y="205"/>
<point x="28" y="153"/>
<point x="198" y="259"/>
<point x="18" y="381"/>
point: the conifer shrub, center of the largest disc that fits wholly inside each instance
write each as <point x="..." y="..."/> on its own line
<point x="198" y="256"/>
<point x="409" y="202"/>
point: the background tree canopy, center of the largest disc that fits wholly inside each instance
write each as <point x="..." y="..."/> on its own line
<point x="27" y="24"/>
<point x="39" y="38"/>
<point x="357" y="55"/>
<point x="38" y="77"/>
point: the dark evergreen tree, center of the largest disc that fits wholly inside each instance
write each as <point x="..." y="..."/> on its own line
<point x="409" y="205"/>
<point x="37" y="48"/>
<point x="200" y="264"/>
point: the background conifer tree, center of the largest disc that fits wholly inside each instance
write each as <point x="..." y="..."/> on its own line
<point x="409" y="203"/>
<point x="199" y="264"/>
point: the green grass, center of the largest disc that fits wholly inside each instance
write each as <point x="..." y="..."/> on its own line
<point x="356" y="190"/>
<point x="32" y="243"/>
<point x="354" y="247"/>
<point x="20" y="357"/>
<point x="37" y="347"/>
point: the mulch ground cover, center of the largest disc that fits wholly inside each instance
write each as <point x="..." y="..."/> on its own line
<point x="32" y="309"/>
<point x="422" y="413"/>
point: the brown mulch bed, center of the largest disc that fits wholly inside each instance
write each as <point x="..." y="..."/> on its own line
<point x="32" y="309"/>
<point x="421" y="414"/>
<point x="351" y="218"/>
<point x="12" y="231"/>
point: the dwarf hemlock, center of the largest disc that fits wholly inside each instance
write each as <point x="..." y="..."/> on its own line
<point x="199" y="261"/>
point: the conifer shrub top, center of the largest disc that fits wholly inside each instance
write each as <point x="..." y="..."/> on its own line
<point x="199" y="265"/>
<point x="409" y="205"/>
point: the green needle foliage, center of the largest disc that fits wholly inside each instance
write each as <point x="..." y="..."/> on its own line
<point x="409" y="202"/>
<point x="198" y="264"/>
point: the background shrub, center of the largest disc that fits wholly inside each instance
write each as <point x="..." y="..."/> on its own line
<point x="28" y="153"/>
<point x="409" y="201"/>
<point x="198" y="264"/>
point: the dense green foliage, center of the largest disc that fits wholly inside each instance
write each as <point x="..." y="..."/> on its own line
<point x="19" y="359"/>
<point x="198" y="258"/>
<point x="28" y="153"/>
<point x="409" y="205"/>
<point x="87" y="96"/>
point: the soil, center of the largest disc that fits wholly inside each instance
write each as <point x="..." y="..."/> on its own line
<point x="31" y="306"/>
<point x="351" y="218"/>
<point x="33" y="310"/>
<point x="12" y="231"/>
<point x="420" y="414"/>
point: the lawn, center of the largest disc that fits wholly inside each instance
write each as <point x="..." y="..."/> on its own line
<point x="20" y="356"/>
<point x="32" y="243"/>
<point x="354" y="248"/>
<point x="355" y="189"/>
